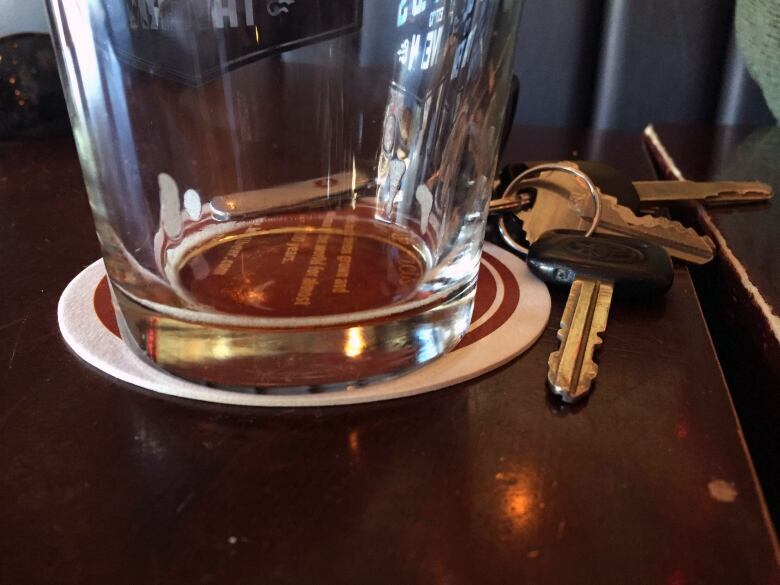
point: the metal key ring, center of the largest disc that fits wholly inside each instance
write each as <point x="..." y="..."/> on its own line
<point x="513" y="186"/>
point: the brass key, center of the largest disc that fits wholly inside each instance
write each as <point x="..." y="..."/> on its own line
<point x="713" y="193"/>
<point x="562" y="202"/>
<point x="594" y="267"/>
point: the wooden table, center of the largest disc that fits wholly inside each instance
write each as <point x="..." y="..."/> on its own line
<point x="740" y="291"/>
<point x="487" y="482"/>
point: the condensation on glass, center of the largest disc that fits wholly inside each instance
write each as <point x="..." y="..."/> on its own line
<point x="288" y="193"/>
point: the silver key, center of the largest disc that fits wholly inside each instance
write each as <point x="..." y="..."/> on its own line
<point x="680" y="241"/>
<point x="595" y="267"/>
<point x="563" y="203"/>
<point x="711" y="194"/>
<point x="571" y="368"/>
<point x="321" y="192"/>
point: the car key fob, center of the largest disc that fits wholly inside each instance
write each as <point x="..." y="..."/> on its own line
<point x="637" y="268"/>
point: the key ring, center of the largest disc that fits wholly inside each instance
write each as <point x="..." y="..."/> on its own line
<point x="522" y="202"/>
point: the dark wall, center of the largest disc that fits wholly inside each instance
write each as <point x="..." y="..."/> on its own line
<point x="621" y="64"/>
<point x="614" y="64"/>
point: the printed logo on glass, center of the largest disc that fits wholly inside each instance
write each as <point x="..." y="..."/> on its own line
<point x="195" y="41"/>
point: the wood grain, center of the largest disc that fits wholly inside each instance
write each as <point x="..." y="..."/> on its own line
<point x="488" y="482"/>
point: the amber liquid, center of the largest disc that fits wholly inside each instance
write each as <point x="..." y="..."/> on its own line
<point x="337" y="265"/>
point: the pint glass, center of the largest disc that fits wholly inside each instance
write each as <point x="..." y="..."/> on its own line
<point x="288" y="193"/>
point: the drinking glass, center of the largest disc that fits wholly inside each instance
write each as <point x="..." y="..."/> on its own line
<point x="288" y="193"/>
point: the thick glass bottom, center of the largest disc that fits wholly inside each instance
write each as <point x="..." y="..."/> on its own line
<point x="243" y="358"/>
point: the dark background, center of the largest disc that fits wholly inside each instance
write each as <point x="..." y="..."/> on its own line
<point x="604" y="64"/>
<point x="622" y="64"/>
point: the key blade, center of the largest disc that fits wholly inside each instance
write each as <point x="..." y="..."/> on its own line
<point x="732" y="193"/>
<point x="711" y="193"/>
<point x="312" y="194"/>
<point x="513" y="203"/>
<point x="571" y="368"/>
<point x="681" y="242"/>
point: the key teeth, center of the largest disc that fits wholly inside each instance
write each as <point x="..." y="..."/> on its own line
<point x="667" y="224"/>
<point x="675" y="231"/>
<point x="568" y="397"/>
<point x="583" y="387"/>
<point x="588" y="372"/>
<point x="554" y="362"/>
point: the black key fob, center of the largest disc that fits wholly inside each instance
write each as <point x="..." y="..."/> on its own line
<point x="637" y="268"/>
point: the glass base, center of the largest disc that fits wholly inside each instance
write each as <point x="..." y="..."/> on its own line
<point x="243" y="358"/>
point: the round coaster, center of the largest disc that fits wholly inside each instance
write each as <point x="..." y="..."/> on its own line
<point x="511" y="311"/>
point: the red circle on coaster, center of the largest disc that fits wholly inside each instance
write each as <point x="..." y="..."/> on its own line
<point x="104" y="308"/>
<point x="487" y="292"/>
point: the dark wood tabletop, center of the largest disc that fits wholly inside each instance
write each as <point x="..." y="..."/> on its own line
<point x="749" y="232"/>
<point x="740" y="290"/>
<point x="649" y="481"/>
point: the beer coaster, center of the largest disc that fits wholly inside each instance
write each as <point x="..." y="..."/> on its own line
<point x="511" y="311"/>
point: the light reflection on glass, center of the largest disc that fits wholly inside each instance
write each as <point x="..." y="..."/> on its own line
<point x="356" y="342"/>
<point x="222" y="349"/>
